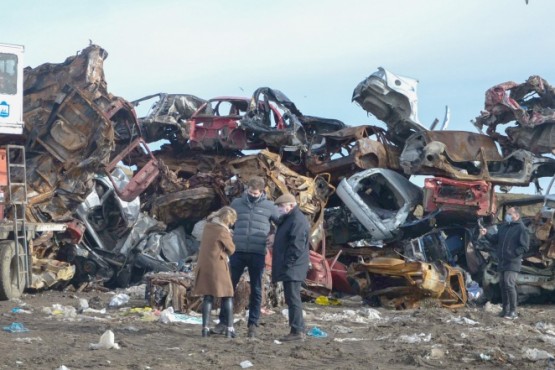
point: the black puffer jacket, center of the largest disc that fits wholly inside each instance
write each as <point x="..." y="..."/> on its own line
<point x="512" y="241"/>
<point x="290" y="254"/>
<point x="253" y="223"/>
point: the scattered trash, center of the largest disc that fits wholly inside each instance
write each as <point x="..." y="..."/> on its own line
<point x="92" y="310"/>
<point x="340" y="329"/>
<point x="119" y="300"/>
<point x="276" y="341"/>
<point x="168" y="315"/>
<point x="65" y="312"/>
<point x="63" y="367"/>
<point x="16" y="327"/>
<point x="245" y="364"/>
<point x="545" y="328"/>
<point x="136" y="291"/>
<point x="492" y="308"/>
<point x="415" y="338"/>
<point x="20" y="310"/>
<point x="83" y="304"/>
<point x="326" y="301"/>
<point x="437" y="353"/>
<point x="29" y="340"/>
<point x="462" y="321"/>
<point x="534" y="354"/>
<point x="364" y="315"/>
<point x="107" y="341"/>
<point x="485" y="357"/>
<point x="285" y="313"/>
<point x="316" y="332"/>
<point x="341" y="340"/>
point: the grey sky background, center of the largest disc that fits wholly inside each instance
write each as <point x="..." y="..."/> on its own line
<point x="316" y="52"/>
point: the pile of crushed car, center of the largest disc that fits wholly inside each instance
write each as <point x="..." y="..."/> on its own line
<point x="132" y="210"/>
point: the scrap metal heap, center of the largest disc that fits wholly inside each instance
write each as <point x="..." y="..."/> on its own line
<point x="133" y="211"/>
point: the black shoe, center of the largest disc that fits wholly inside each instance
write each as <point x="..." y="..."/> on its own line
<point x="230" y="333"/>
<point x="219" y="329"/>
<point x="511" y="316"/>
<point x="205" y="332"/>
<point x="252" y="331"/>
<point x="503" y="313"/>
<point x="292" y="337"/>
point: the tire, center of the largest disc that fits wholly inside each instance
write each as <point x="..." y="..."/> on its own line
<point x="8" y="271"/>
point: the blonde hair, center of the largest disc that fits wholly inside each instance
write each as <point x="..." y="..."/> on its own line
<point x="226" y="214"/>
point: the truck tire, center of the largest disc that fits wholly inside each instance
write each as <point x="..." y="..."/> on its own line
<point x="8" y="271"/>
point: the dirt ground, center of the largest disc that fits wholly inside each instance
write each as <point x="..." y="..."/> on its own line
<point x="358" y="337"/>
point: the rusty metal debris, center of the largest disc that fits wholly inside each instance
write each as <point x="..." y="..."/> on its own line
<point x="128" y="212"/>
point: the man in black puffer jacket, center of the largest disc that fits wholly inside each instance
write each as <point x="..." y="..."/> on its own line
<point x="254" y="216"/>
<point x="512" y="240"/>
<point x="290" y="260"/>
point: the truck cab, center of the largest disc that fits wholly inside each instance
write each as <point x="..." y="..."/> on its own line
<point x="11" y="89"/>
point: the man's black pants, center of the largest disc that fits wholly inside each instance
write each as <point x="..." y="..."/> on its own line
<point x="292" y="292"/>
<point x="507" y="282"/>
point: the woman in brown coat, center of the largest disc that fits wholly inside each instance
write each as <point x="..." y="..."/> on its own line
<point x="212" y="272"/>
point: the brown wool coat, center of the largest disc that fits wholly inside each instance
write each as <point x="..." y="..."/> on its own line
<point x="212" y="271"/>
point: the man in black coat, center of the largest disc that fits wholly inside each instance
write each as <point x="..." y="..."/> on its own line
<point x="290" y="260"/>
<point x="512" y="240"/>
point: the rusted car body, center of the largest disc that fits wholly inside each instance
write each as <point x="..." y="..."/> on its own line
<point x="381" y="200"/>
<point x="469" y="156"/>
<point x="404" y="284"/>
<point x="167" y="117"/>
<point x="393" y="100"/>
<point x="351" y="149"/>
<point x="459" y="199"/>
<point x="531" y="105"/>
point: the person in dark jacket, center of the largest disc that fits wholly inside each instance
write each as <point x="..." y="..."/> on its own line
<point x="290" y="260"/>
<point x="212" y="271"/>
<point x="254" y="216"/>
<point x="512" y="240"/>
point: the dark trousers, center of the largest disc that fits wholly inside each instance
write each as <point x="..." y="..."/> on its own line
<point x="507" y="282"/>
<point x="292" y="292"/>
<point x="255" y="264"/>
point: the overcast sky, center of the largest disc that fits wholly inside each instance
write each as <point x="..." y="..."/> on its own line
<point x="316" y="52"/>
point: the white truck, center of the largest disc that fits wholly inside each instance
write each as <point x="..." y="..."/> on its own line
<point x="15" y="262"/>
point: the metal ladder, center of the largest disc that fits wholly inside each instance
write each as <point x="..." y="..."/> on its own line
<point x="17" y="191"/>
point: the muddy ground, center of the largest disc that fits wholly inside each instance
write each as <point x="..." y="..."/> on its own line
<point x="358" y="337"/>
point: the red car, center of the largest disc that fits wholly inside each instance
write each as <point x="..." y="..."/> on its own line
<point x="217" y="124"/>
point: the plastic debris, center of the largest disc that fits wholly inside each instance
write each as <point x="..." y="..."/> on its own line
<point x="462" y="321"/>
<point x="534" y="354"/>
<point x="415" y="338"/>
<point x="28" y="340"/>
<point x="316" y="332"/>
<point x="285" y="313"/>
<point x="20" y="310"/>
<point x="276" y="341"/>
<point x="340" y="329"/>
<point x="364" y="315"/>
<point x="326" y="301"/>
<point x="66" y="312"/>
<point x="485" y="357"/>
<point x="83" y="304"/>
<point x="107" y="341"/>
<point x="245" y="364"/>
<point x="340" y="340"/>
<point x="119" y="300"/>
<point x="16" y="327"/>
<point x="63" y="367"/>
<point x="437" y="354"/>
<point x="492" y="308"/>
<point x="168" y="315"/>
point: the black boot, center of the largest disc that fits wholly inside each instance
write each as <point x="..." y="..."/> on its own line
<point x="227" y="305"/>
<point x="206" y="310"/>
